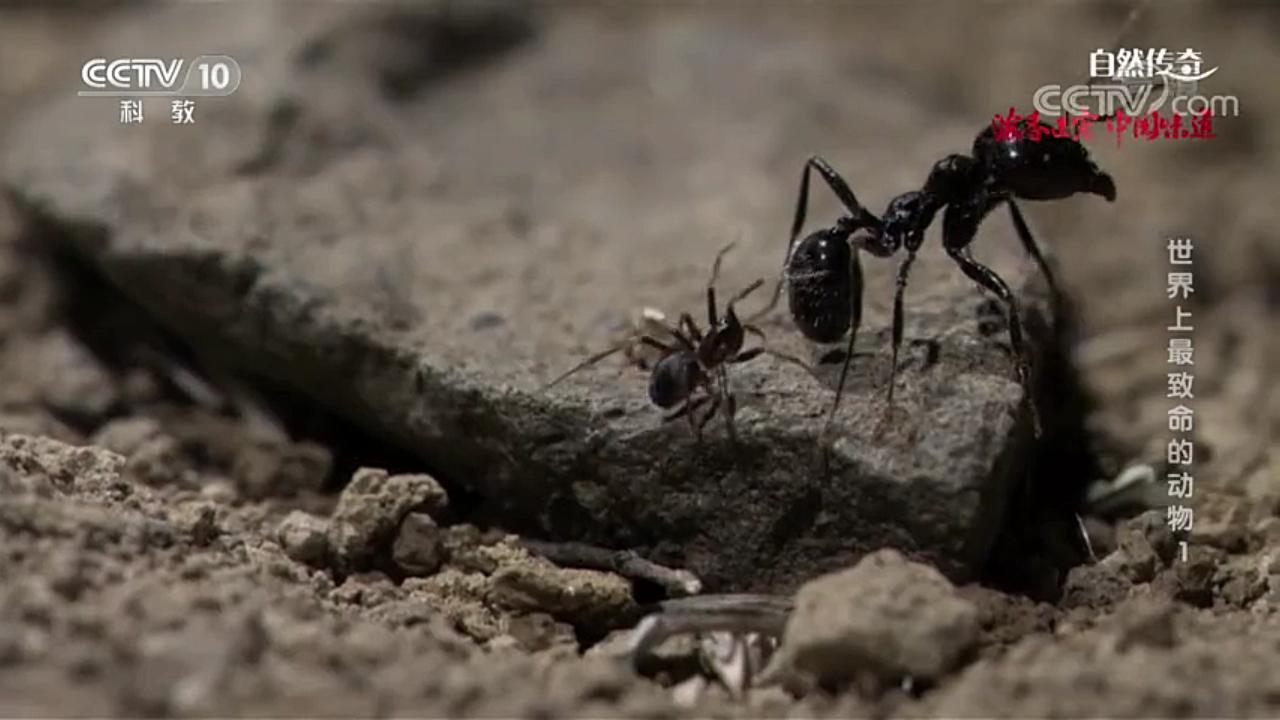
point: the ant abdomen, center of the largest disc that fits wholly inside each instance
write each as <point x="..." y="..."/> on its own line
<point x="819" y="288"/>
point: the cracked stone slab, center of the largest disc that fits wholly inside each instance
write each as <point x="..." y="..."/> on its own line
<point x="417" y="238"/>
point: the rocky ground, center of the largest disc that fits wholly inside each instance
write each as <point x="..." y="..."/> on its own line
<point x="271" y="438"/>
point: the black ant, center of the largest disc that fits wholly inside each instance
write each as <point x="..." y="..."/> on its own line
<point x="692" y="371"/>
<point x="823" y="272"/>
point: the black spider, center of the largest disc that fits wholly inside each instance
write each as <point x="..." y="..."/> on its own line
<point x="692" y="371"/>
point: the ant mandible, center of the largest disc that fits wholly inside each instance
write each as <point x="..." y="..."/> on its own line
<point x="693" y="370"/>
<point x="823" y="272"/>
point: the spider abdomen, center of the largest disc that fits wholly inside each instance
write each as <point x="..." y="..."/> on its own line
<point x="673" y="379"/>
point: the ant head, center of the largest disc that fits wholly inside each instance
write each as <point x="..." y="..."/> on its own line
<point x="1101" y="183"/>
<point x="674" y="378"/>
<point x="1040" y="164"/>
<point x="906" y="219"/>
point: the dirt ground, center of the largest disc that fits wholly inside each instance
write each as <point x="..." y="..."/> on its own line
<point x="167" y="550"/>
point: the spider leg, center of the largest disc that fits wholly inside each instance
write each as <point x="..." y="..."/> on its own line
<point x="713" y="317"/>
<point x="592" y="360"/>
<point x="730" y="401"/>
<point x="743" y="293"/>
<point x="715" y="266"/>
<point x="657" y="344"/>
<point x="792" y="359"/>
<point x="688" y="408"/>
<point x="691" y="327"/>
<point x="712" y="409"/>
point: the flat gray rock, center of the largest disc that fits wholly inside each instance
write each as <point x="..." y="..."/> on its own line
<point x="415" y="221"/>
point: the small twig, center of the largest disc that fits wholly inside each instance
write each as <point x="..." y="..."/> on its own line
<point x="624" y="562"/>
<point x="753" y="612"/>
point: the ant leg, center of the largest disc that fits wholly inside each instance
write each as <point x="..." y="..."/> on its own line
<point x="903" y="270"/>
<point x="802" y="207"/>
<point x="747" y="355"/>
<point x="855" y="320"/>
<point x="987" y="278"/>
<point x="842" y="191"/>
<point x="1033" y="249"/>
<point x="860" y="215"/>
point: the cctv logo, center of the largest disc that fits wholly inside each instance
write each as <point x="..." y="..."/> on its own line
<point x="207" y="75"/>
<point x="131" y="76"/>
